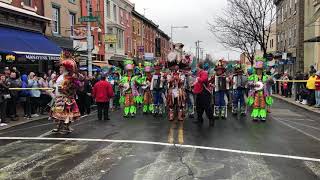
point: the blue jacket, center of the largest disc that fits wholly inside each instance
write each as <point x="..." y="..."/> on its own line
<point x="25" y="93"/>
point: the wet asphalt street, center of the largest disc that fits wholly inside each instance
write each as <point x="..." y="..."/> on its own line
<point x="286" y="147"/>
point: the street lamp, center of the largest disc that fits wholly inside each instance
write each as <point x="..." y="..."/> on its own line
<point x="177" y="27"/>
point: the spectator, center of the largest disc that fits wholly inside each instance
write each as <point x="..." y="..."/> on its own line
<point x="4" y="95"/>
<point x="45" y="97"/>
<point x="298" y="86"/>
<point x="7" y="72"/>
<point x="102" y="93"/>
<point x="285" y="85"/>
<point x="13" y="82"/>
<point x="81" y="95"/>
<point x="311" y="86"/>
<point x="35" y="94"/>
<point x="25" y="97"/>
<point x="88" y="91"/>
<point x="317" y="93"/>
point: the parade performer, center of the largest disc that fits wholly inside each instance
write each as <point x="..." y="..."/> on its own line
<point x="221" y="86"/>
<point x="145" y="82"/>
<point x="129" y="88"/>
<point x="114" y="78"/>
<point x="259" y="96"/>
<point x="138" y="76"/>
<point x="176" y="95"/>
<point x="239" y="83"/>
<point x="65" y="109"/>
<point x="158" y="88"/>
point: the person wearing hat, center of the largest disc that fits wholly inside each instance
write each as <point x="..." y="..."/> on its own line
<point x="65" y="109"/>
<point x="259" y="95"/>
<point x="158" y="89"/>
<point x="128" y="87"/>
<point x="317" y="92"/>
<point x="221" y="86"/>
<point x="145" y="83"/>
<point x="239" y="83"/>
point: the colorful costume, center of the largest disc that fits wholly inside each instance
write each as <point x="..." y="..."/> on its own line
<point x="259" y="97"/>
<point x="239" y="83"/>
<point x="65" y="109"/>
<point x="129" y="90"/>
<point x="145" y="84"/>
<point x="158" y="88"/>
<point x="139" y="77"/>
<point x="221" y="86"/>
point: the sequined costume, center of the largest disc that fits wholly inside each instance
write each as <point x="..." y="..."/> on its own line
<point x="239" y="83"/>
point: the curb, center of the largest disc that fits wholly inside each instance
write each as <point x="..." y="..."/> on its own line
<point x="295" y="104"/>
<point x="93" y="108"/>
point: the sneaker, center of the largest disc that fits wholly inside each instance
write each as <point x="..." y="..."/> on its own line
<point x="297" y="101"/>
<point x="34" y="115"/>
<point x="304" y="102"/>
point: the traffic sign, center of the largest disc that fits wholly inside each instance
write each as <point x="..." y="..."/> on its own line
<point x="89" y="18"/>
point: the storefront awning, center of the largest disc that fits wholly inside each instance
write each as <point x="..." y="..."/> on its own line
<point x="29" y="45"/>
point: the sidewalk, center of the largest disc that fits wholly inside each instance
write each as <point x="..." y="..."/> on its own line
<point x="22" y="120"/>
<point x="292" y="101"/>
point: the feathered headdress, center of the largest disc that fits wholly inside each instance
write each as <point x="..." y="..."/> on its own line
<point x="128" y="64"/>
<point x="260" y="63"/>
<point x="147" y="67"/>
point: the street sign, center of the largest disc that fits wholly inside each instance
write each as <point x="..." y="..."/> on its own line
<point x="111" y="38"/>
<point x="141" y="49"/>
<point x="89" y="19"/>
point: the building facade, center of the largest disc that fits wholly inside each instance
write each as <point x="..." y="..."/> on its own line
<point x="290" y="34"/>
<point x="312" y="34"/>
<point x="97" y="29"/>
<point x="64" y="15"/>
<point x="137" y="36"/>
<point x="23" y="44"/>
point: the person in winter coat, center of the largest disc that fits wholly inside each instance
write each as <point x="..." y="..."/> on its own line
<point x="25" y="96"/>
<point x="4" y="95"/>
<point x="102" y="93"/>
<point x="317" y="92"/>
<point x="13" y="82"/>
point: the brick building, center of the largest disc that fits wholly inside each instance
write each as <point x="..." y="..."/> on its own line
<point x="290" y="34"/>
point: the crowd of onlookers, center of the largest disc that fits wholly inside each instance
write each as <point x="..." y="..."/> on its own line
<point x="35" y="102"/>
<point x="306" y="88"/>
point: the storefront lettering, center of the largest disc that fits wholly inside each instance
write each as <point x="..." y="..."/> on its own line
<point x="42" y="58"/>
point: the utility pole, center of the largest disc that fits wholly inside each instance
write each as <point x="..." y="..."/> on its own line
<point x="198" y="50"/>
<point x="89" y="40"/>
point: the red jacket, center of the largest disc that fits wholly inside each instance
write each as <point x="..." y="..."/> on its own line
<point x="201" y="80"/>
<point x="318" y="84"/>
<point x="102" y="91"/>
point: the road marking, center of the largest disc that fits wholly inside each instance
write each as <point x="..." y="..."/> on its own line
<point x="297" y="129"/>
<point x="302" y="124"/>
<point x="168" y="144"/>
<point x="297" y="120"/>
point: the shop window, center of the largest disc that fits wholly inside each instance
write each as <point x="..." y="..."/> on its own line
<point x="108" y="9"/>
<point x="55" y="20"/>
<point x="72" y="1"/>
<point x="27" y="2"/>
<point x="115" y="13"/>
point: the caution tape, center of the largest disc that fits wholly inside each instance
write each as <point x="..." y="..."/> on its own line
<point x="21" y="89"/>
<point x="301" y="81"/>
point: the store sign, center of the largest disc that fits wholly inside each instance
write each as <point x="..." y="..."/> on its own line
<point x="141" y="49"/>
<point x="10" y="58"/>
<point x="149" y="56"/>
<point x="79" y="32"/>
<point x="111" y="38"/>
<point x="42" y="58"/>
<point x="89" y="18"/>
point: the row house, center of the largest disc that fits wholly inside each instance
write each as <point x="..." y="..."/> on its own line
<point x="96" y="9"/>
<point x="23" y="25"/>
<point x="118" y="28"/>
<point x="312" y="34"/>
<point x="290" y="34"/>
<point x="163" y="46"/>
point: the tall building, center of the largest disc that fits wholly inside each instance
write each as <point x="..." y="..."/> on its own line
<point x="290" y="34"/>
<point x="312" y="34"/>
<point x="117" y="16"/>
<point x="64" y="15"/>
<point x="23" y="44"/>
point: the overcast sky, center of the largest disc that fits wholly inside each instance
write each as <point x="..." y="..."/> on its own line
<point x="193" y="13"/>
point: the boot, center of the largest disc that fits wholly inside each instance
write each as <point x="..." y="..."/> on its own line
<point x="223" y="112"/>
<point x="171" y="115"/>
<point x="243" y="111"/>
<point x="234" y="110"/>
<point x="180" y="115"/>
<point x="126" y="112"/>
<point x="59" y="126"/>
<point x="216" y="111"/>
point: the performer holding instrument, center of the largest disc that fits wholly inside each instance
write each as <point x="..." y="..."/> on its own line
<point x="239" y="83"/>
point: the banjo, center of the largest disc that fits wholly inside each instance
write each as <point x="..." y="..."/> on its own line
<point x="259" y="86"/>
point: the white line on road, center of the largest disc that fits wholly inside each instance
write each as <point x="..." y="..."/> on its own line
<point x="302" y="124"/>
<point x="166" y="144"/>
<point x="297" y="129"/>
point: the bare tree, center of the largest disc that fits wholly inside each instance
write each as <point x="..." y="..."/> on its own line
<point x="245" y="25"/>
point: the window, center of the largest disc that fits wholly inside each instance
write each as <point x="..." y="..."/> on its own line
<point x="290" y="7"/>
<point x="27" y="2"/>
<point x="285" y="12"/>
<point x="282" y="14"/>
<point x="129" y="44"/>
<point x="115" y="13"/>
<point x="56" y="20"/>
<point x="72" y="19"/>
<point x="108" y="9"/>
<point x="72" y="1"/>
<point x="295" y="5"/>
<point x="294" y="34"/>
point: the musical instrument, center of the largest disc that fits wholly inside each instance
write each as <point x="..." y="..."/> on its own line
<point x="259" y="86"/>
<point x="125" y="87"/>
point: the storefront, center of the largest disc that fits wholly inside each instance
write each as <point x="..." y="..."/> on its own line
<point x="28" y="51"/>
